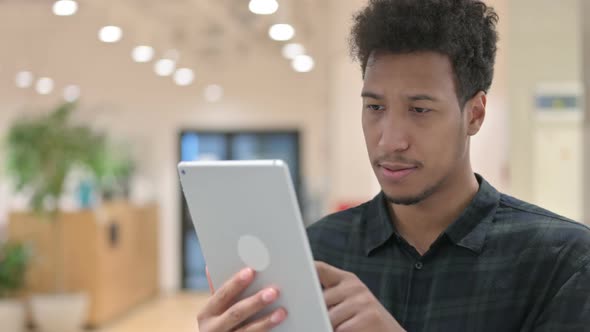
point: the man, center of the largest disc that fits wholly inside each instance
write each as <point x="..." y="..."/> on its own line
<point x="439" y="249"/>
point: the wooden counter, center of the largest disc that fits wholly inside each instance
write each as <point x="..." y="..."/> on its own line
<point x="110" y="253"/>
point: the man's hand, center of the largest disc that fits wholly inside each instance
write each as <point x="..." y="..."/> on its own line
<point x="351" y="305"/>
<point x="220" y="314"/>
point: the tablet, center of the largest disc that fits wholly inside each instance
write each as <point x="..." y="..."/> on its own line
<point x="246" y="214"/>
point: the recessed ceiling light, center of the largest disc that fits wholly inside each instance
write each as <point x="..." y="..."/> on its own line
<point x="110" y="34"/>
<point x="281" y="32"/>
<point x="263" y="7"/>
<point x="164" y="67"/>
<point x="303" y="63"/>
<point x="292" y="50"/>
<point x="24" y="79"/>
<point x="213" y="93"/>
<point x="65" y="7"/>
<point x="44" y="85"/>
<point x="142" y="53"/>
<point x="184" y="76"/>
<point x="71" y="93"/>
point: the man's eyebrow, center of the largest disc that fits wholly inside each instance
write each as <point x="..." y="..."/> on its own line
<point x="421" y="97"/>
<point x="369" y="94"/>
<point x="418" y="97"/>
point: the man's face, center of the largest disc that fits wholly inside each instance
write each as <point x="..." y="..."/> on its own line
<point x="416" y="134"/>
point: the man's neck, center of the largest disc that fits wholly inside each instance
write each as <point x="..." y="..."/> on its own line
<point x="421" y="224"/>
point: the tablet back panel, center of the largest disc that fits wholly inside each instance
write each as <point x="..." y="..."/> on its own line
<point x="246" y="214"/>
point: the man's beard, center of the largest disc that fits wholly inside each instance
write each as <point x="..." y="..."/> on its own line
<point x="413" y="200"/>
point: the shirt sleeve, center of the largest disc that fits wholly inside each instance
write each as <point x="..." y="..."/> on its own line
<point x="569" y="310"/>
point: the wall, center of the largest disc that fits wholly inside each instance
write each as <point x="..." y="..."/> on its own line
<point x="490" y="147"/>
<point x="544" y="46"/>
<point x="352" y="176"/>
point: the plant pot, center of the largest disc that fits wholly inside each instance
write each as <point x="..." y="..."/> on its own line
<point x="12" y="315"/>
<point x="60" y="312"/>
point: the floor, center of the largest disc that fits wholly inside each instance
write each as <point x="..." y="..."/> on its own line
<point x="174" y="313"/>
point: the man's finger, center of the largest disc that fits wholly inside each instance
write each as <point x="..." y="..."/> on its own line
<point x="225" y="296"/>
<point x="266" y="323"/>
<point x="211" y="288"/>
<point x="246" y="308"/>
<point x="351" y="325"/>
<point x="335" y="295"/>
<point x="329" y="275"/>
<point x="341" y="313"/>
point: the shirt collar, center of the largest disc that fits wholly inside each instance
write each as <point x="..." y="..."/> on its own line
<point x="377" y="223"/>
<point x="468" y="231"/>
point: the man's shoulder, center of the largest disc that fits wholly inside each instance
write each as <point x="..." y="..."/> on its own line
<point x="517" y="215"/>
<point x="333" y="231"/>
<point x="539" y="229"/>
<point x="341" y="221"/>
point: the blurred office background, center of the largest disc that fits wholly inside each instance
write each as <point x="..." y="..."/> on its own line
<point x="166" y="81"/>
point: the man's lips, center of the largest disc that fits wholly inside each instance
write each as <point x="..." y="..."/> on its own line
<point x="397" y="167"/>
<point x="396" y="172"/>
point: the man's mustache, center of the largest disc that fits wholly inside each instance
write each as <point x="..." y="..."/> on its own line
<point x="397" y="159"/>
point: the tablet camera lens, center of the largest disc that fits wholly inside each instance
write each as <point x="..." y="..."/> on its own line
<point x="183" y="172"/>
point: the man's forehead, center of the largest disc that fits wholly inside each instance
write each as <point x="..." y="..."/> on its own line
<point x="427" y="66"/>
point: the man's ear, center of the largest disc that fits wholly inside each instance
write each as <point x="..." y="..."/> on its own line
<point x="475" y="113"/>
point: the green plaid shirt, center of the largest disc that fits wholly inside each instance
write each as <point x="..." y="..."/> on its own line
<point x="504" y="265"/>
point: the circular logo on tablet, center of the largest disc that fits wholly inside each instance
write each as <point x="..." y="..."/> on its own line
<point x="253" y="252"/>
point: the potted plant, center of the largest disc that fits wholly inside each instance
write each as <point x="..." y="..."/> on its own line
<point x="13" y="263"/>
<point x="41" y="152"/>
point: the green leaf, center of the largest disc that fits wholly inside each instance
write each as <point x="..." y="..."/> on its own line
<point x="13" y="262"/>
<point x="42" y="150"/>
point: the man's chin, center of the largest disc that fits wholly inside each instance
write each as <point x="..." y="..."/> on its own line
<point x="408" y="198"/>
<point x="404" y="200"/>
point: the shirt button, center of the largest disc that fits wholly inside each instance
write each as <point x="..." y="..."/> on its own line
<point x="419" y="266"/>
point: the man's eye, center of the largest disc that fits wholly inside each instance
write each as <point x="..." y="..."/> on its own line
<point x="375" y="107"/>
<point x="420" y="110"/>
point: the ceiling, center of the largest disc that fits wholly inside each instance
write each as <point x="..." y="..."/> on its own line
<point x="204" y="29"/>
<point x="209" y="28"/>
<point x="221" y="39"/>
